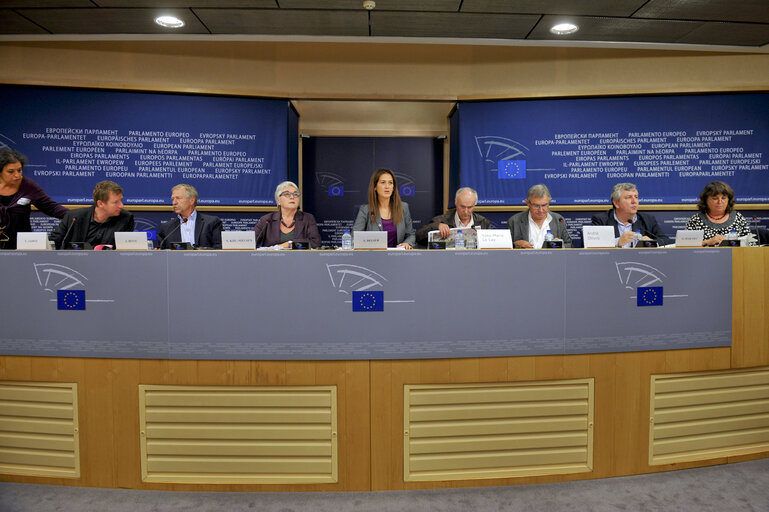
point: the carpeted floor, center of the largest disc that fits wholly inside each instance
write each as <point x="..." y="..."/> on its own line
<point x="731" y="487"/>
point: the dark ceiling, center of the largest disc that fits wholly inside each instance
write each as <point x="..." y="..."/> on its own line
<point x="740" y="24"/>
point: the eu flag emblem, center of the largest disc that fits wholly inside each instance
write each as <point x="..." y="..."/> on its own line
<point x="407" y="190"/>
<point x="649" y="296"/>
<point x="70" y="299"/>
<point x="336" y="191"/>
<point x="368" y="301"/>
<point x="511" y="169"/>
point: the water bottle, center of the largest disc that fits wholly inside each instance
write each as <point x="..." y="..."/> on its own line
<point x="459" y="240"/>
<point x="636" y="237"/>
<point x="732" y="235"/>
<point x="549" y="236"/>
<point x="346" y="240"/>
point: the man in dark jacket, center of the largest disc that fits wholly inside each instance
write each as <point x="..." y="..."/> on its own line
<point x="461" y="216"/>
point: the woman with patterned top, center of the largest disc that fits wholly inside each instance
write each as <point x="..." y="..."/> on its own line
<point x="716" y="216"/>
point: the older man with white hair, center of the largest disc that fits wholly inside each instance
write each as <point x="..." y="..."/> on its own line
<point x="461" y="216"/>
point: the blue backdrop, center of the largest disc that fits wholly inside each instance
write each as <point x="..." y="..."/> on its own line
<point x="337" y="171"/>
<point x="669" y="146"/>
<point x="233" y="150"/>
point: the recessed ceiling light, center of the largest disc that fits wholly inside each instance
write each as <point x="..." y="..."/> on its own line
<point x="169" y="21"/>
<point x="564" y="28"/>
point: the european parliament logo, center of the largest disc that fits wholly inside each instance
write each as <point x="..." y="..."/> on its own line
<point x="511" y="169"/>
<point x="649" y="296"/>
<point x="407" y="190"/>
<point x="368" y="301"/>
<point x="336" y="191"/>
<point x="70" y="300"/>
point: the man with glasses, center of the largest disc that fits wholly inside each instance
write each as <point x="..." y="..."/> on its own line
<point x="189" y="225"/>
<point x="529" y="228"/>
<point x="461" y="216"/>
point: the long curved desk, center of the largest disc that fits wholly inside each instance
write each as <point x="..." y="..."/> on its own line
<point x="379" y="403"/>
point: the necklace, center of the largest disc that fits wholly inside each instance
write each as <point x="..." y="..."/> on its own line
<point x="716" y="219"/>
<point x="288" y="226"/>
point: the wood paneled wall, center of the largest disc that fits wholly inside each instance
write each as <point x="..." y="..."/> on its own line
<point x="370" y="398"/>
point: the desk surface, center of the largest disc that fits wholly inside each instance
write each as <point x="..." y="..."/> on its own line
<point x="292" y="305"/>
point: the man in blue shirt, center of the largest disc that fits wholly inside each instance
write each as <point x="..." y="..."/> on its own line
<point x="627" y="220"/>
<point x="189" y="225"/>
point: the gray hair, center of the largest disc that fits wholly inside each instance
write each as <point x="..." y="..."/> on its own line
<point x="616" y="191"/>
<point x="282" y="187"/>
<point x="189" y="191"/>
<point x="538" y="191"/>
<point x="463" y="190"/>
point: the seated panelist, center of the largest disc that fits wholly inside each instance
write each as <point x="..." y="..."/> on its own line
<point x="386" y="212"/>
<point x="716" y="215"/>
<point x="189" y="225"/>
<point x="529" y="228"/>
<point x="461" y="216"/>
<point x="96" y="224"/>
<point x="288" y="223"/>
<point x="627" y="220"/>
<point x="17" y="196"/>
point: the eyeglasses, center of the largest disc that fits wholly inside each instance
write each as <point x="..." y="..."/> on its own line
<point x="539" y="206"/>
<point x="290" y="194"/>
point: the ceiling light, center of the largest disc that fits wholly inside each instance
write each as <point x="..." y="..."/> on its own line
<point x="169" y="21"/>
<point x="564" y="28"/>
<point x="369" y="4"/>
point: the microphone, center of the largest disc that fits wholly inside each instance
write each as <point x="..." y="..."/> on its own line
<point x="654" y="242"/>
<point x="178" y="226"/>
<point x="554" y="244"/>
<point x="66" y="234"/>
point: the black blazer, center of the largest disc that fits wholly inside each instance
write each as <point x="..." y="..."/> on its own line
<point x="208" y="232"/>
<point x="645" y="222"/>
<point x="75" y="223"/>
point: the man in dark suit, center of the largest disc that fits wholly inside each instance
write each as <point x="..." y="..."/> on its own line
<point x="627" y="220"/>
<point x="97" y="224"/>
<point x="528" y="228"/>
<point x="189" y="225"/>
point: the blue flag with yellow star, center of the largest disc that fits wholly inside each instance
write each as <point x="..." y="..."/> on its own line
<point x="70" y="299"/>
<point x="511" y="169"/>
<point x="649" y="296"/>
<point x="368" y="301"/>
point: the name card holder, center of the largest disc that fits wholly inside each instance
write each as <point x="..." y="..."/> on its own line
<point x="598" y="236"/>
<point x="369" y="240"/>
<point x="494" y="239"/>
<point x="131" y="241"/>
<point x="239" y="240"/>
<point x="32" y="241"/>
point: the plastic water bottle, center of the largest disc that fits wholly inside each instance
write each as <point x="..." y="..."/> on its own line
<point x="346" y="240"/>
<point x="549" y="236"/>
<point x="732" y="235"/>
<point x="459" y="240"/>
<point x="636" y="237"/>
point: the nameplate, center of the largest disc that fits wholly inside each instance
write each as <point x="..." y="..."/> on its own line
<point x="494" y="239"/>
<point x="239" y="240"/>
<point x="131" y="241"/>
<point x="29" y="241"/>
<point x="598" y="236"/>
<point x="689" y="237"/>
<point x="369" y="240"/>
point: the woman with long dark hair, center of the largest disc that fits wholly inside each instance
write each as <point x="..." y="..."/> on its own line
<point x="386" y="212"/>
